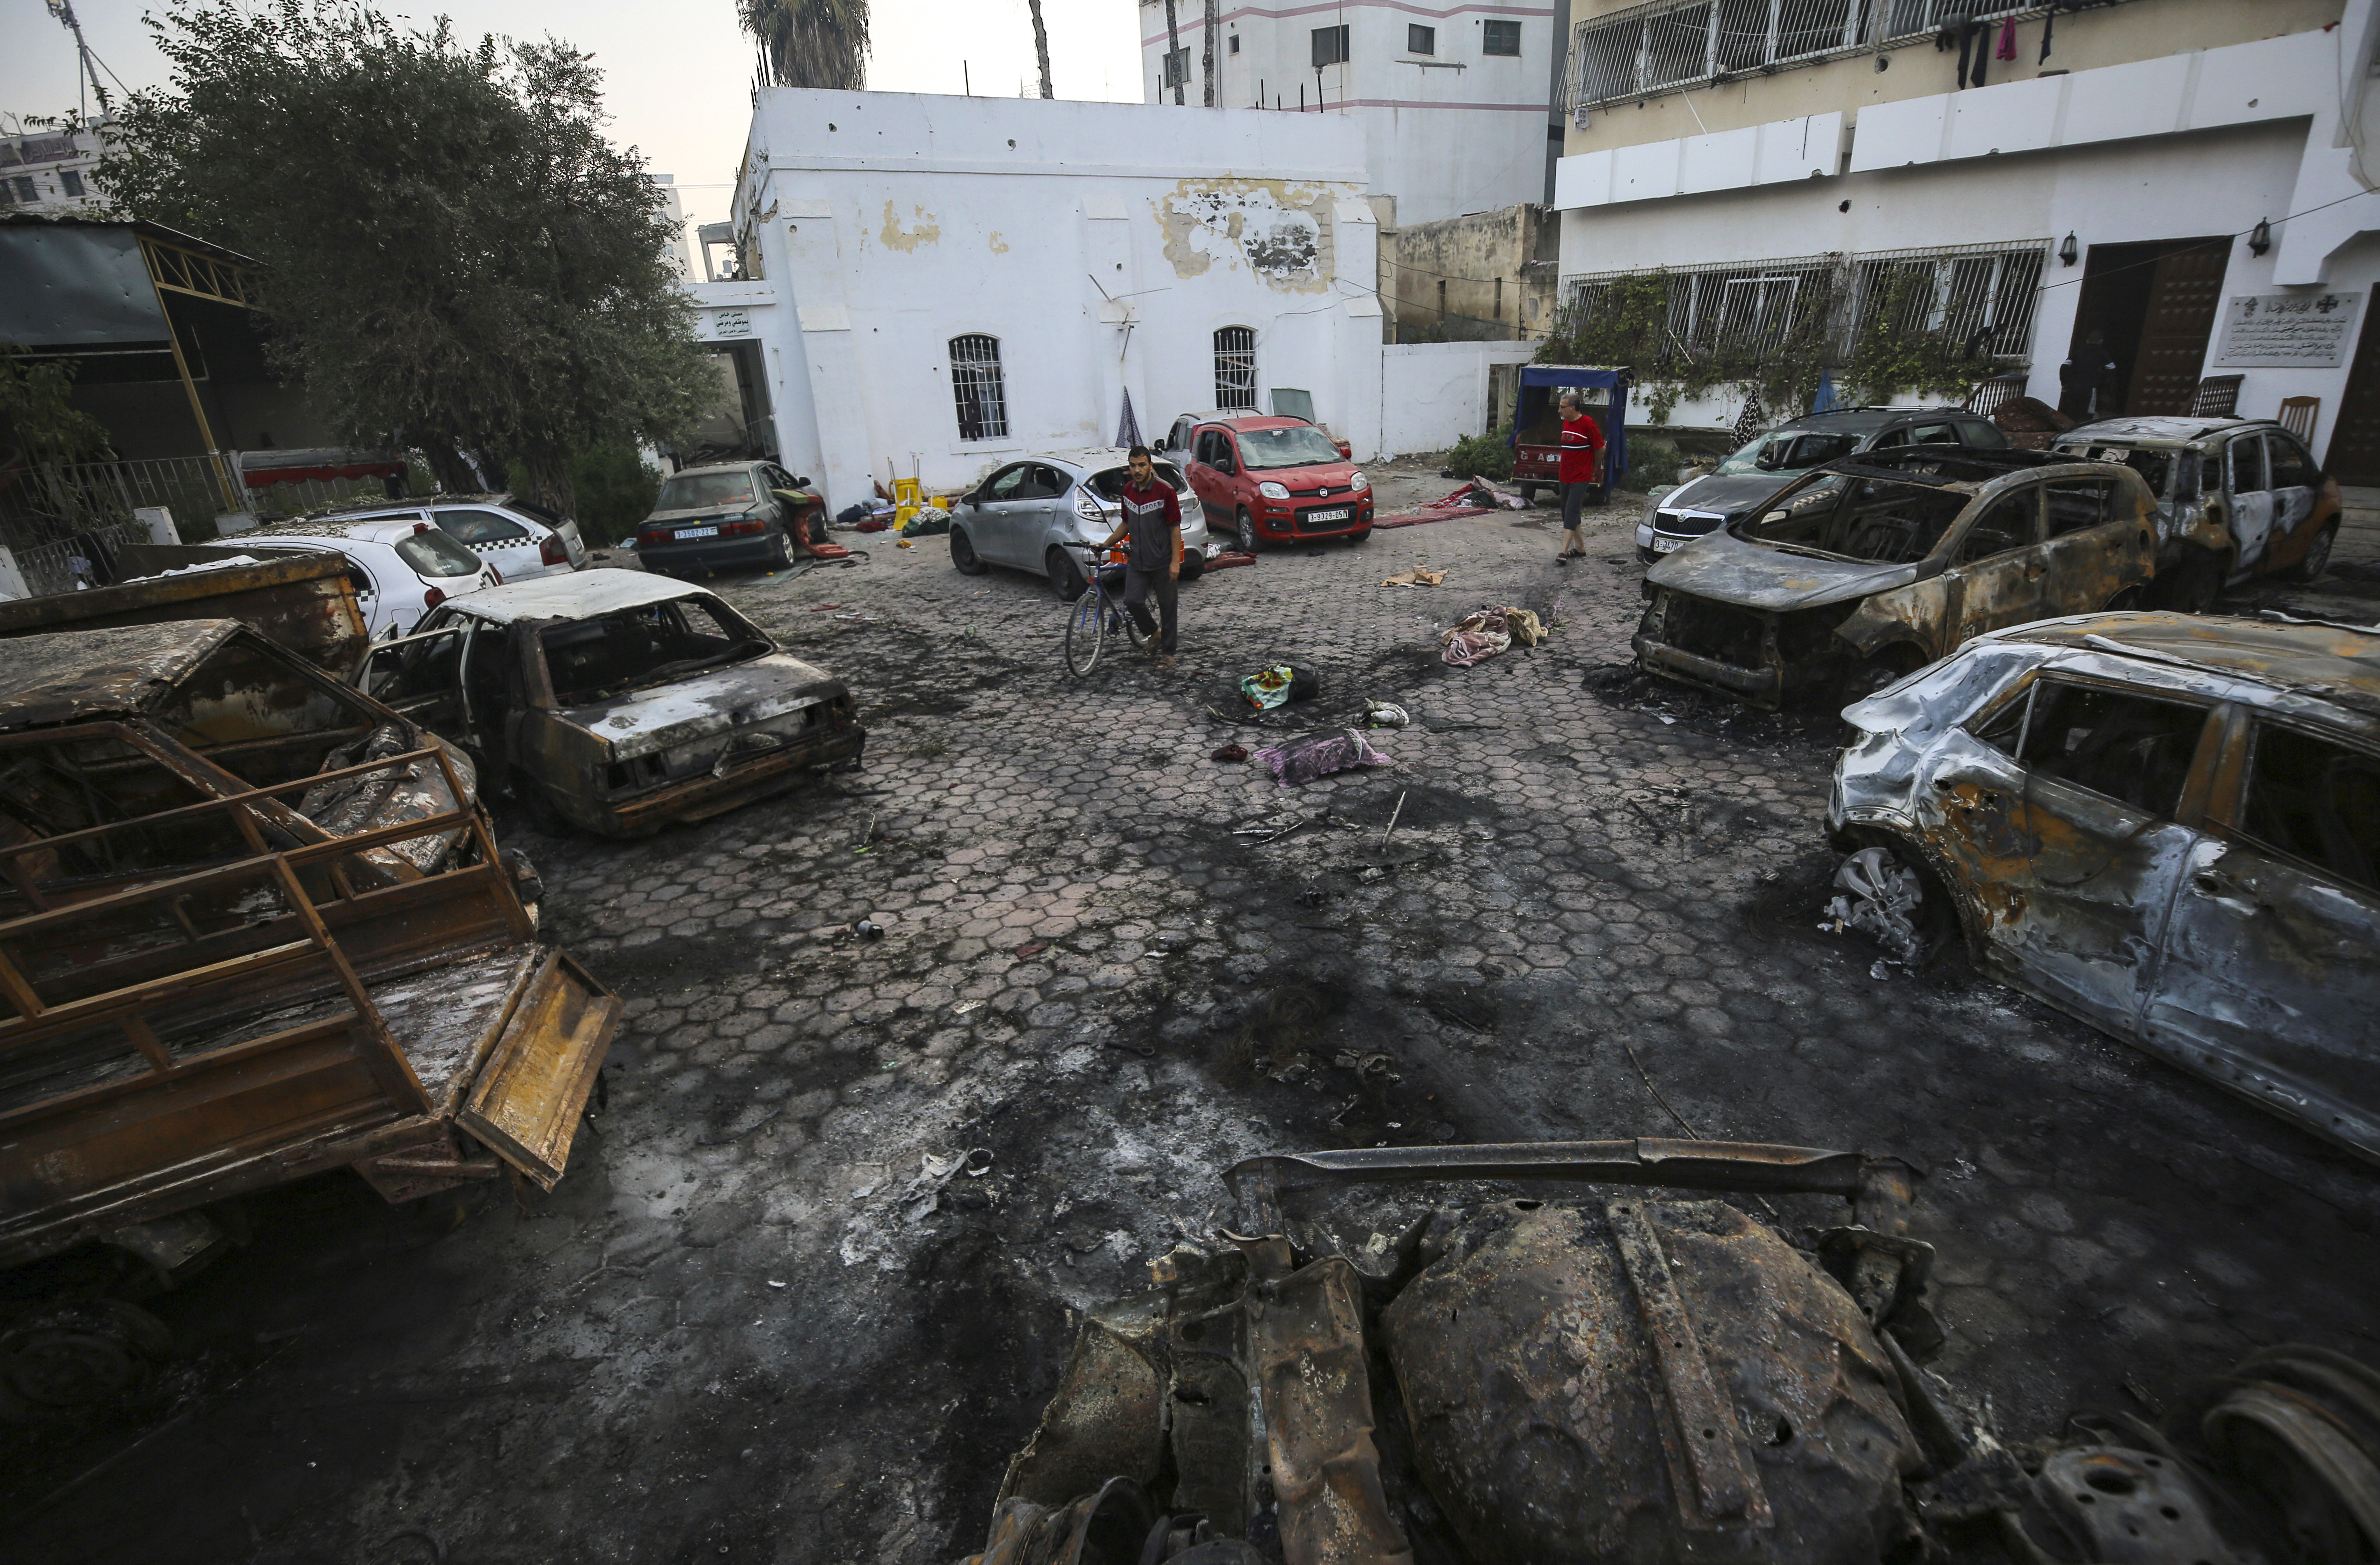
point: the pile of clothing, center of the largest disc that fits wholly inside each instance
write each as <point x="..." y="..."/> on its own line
<point x="1482" y="634"/>
<point x="1310" y="756"/>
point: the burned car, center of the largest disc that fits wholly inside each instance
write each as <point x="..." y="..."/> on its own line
<point x="1507" y="1366"/>
<point x="2166" y="825"/>
<point x="2236" y="498"/>
<point x="618" y="701"/>
<point x="1867" y="569"/>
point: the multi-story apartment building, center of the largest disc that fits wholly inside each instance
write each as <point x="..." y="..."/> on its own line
<point x="49" y="171"/>
<point x="2173" y="194"/>
<point x="1453" y="99"/>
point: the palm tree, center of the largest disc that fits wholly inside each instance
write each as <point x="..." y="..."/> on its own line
<point x="1041" y="48"/>
<point x="811" y="43"/>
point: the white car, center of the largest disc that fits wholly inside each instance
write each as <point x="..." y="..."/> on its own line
<point x="522" y="540"/>
<point x="402" y="567"/>
<point x="1025" y="514"/>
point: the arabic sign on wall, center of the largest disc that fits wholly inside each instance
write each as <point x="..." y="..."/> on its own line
<point x="2288" y="331"/>
<point x="722" y="325"/>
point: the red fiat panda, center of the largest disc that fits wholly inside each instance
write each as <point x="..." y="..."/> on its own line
<point x="1276" y="480"/>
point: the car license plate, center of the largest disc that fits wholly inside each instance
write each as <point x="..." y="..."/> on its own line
<point x="697" y="532"/>
<point x="1340" y="515"/>
<point x="1662" y="545"/>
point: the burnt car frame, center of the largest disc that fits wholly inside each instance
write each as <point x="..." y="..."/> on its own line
<point x="618" y="701"/>
<point x="2237" y="498"/>
<point x="2166" y="825"/>
<point x="1866" y="569"/>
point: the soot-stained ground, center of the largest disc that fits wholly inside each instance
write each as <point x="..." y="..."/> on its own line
<point x="751" y="1323"/>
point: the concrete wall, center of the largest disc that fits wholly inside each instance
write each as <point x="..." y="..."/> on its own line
<point x="1102" y="244"/>
<point x="1452" y="132"/>
<point x="1485" y="277"/>
<point x="1433" y="393"/>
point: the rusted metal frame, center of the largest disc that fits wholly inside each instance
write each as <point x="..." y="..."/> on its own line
<point x="27" y="887"/>
<point x="18" y="994"/>
<point x="1687" y="1165"/>
<point x="379" y="836"/>
<point x="19" y="1032"/>
<point x="202" y="1064"/>
<point x="144" y="1038"/>
<point x="199" y="772"/>
<point x="155" y="891"/>
<point x="229" y="801"/>
<point x="516" y="916"/>
<point x="387" y="1062"/>
<point x="1713" y="1478"/>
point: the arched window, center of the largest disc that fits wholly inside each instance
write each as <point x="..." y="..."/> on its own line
<point x="975" y="383"/>
<point x="1235" y="366"/>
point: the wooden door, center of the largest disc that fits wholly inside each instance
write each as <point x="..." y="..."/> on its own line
<point x="2354" y="453"/>
<point x="2187" y="287"/>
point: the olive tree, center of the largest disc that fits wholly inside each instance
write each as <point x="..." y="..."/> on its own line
<point x="456" y="256"/>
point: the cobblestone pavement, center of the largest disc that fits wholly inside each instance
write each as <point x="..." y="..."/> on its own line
<point x="739" y="1331"/>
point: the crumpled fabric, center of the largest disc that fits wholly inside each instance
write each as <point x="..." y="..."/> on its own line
<point x="1310" y="756"/>
<point x="1268" y="688"/>
<point x="1488" y="632"/>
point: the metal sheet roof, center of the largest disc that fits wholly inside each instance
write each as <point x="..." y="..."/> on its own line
<point x="73" y="675"/>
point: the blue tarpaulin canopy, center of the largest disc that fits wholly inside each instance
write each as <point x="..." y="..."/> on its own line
<point x="1611" y="414"/>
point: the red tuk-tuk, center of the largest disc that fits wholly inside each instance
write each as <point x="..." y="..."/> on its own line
<point x="1536" y="424"/>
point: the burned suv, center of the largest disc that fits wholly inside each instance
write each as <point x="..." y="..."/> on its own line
<point x="1866" y="569"/>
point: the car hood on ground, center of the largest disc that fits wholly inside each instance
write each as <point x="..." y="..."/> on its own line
<point x="1726" y="493"/>
<point x="1726" y="569"/>
<point x="712" y="702"/>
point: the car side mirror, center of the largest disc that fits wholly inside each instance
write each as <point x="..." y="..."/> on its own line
<point x="801" y="483"/>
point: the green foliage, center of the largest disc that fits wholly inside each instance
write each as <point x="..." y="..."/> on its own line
<point x="616" y="490"/>
<point x="1632" y="321"/>
<point x="1894" y="352"/>
<point x="1483" y="456"/>
<point x="1653" y="463"/>
<point x="457" y="257"/>
<point x="38" y="415"/>
<point x="823" y="42"/>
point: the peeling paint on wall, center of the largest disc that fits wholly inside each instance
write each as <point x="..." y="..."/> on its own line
<point x="925" y="233"/>
<point x="1278" y="229"/>
<point x="999" y="245"/>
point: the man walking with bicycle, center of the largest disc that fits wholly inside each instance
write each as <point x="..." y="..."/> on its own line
<point x="1152" y="524"/>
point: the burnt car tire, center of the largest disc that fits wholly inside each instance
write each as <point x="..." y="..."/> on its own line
<point x="2130" y="597"/>
<point x="1066" y="577"/>
<point x="1194" y="564"/>
<point x="2317" y="557"/>
<point x="964" y="558"/>
<point x="1934" y="917"/>
<point x="780" y="555"/>
<point x="1246" y="529"/>
<point x="70" y="1359"/>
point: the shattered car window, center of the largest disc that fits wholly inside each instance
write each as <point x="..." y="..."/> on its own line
<point x="1876" y="519"/>
<point x="1109" y="484"/>
<point x="1302" y="446"/>
<point x="2077" y="504"/>
<point x="2315" y="801"/>
<point x="2134" y="749"/>
<point x="694" y="492"/>
<point x="593" y="659"/>
<point x="2010" y="524"/>
<point x="435" y="554"/>
<point x="1787" y="452"/>
<point x="2155" y="467"/>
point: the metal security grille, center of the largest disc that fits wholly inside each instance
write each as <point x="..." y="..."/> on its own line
<point x="1235" y="366"/>
<point x="1979" y="297"/>
<point x="975" y="383"/>
<point x="1738" y="305"/>
<point x="1666" y="45"/>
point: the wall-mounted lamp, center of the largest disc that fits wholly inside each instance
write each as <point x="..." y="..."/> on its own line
<point x="2260" y="237"/>
<point x="2068" y="252"/>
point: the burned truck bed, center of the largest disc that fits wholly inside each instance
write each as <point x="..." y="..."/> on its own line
<point x="304" y="600"/>
<point x="253" y="927"/>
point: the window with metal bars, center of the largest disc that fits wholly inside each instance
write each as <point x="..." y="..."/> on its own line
<point x="1499" y="37"/>
<point x="1235" y="366"/>
<point x="1673" y="43"/>
<point x="975" y="384"/>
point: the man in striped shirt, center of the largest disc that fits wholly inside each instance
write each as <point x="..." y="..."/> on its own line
<point x="1152" y="522"/>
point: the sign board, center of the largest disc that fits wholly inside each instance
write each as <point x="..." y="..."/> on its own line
<point x="2288" y="331"/>
<point x="723" y="324"/>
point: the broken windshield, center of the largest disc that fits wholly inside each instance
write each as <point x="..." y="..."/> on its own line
<point x="1892" y="524"/>
<point x="695" y="492"/>
<point x="1301" y="446"/>
<point x="597" y="659"/>
<point x="1788" y="451"/>
<point x="2157" y="467"/>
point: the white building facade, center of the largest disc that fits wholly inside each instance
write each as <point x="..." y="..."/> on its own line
<point x="51" y="172"/>
<point x="1453" y="101"/>
<point x="2107" y="179"/>
<point x="937" y="284"/>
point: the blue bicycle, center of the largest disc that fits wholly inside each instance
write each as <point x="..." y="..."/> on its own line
<point x="1099" y="614"/>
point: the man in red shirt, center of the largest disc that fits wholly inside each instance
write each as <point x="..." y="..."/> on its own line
<point x="1582" y="454"/>
<point x="1152" y="522"/>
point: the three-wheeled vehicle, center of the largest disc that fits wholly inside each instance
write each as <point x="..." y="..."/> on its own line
<point x="1536" y="424"/>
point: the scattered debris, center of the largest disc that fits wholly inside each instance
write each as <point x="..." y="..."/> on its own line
<point x="1393" y="816"/>
<point x="1310" y="756"/>
<point x="1482" y="634"/>
<point x="1420" y="575"/>
<point x="866" y="929"/>
<point x="1384" y="714"/>
<point x="1032" y="947"/>
<point x="1230" y="752"/>
<point x="1880" y="894"/>
<point x="1270" y="687"/>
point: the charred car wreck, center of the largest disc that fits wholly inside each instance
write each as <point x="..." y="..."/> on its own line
<point x="618" y="701"/>
<point x="1624" y="1377"/>
<point x="253" y="927"/>
<point x="2166" y="825"/>
<point x="1867" y="569"/>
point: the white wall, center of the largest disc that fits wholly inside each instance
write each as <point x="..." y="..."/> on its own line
<point x="1102" y="244"/>
<point x="1446" y="134"/>
<point x="1433" y="393"/>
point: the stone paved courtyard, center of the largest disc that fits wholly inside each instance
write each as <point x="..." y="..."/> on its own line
<point x="737" y="1331"/>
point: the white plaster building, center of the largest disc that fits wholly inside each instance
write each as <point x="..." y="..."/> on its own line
<point x="1453" y="100"/>
<point x="51" y="172"/>
<point x="2156" y="134"/>
<point x="936" y="283"/>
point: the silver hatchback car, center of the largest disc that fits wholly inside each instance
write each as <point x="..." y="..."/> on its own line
<point x="1026" y="513"/>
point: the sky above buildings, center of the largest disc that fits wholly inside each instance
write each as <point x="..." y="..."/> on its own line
<point x="676" y="77"/>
